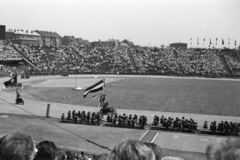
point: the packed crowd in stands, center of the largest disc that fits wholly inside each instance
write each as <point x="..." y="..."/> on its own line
<point x="7" y="52"/>
<point x="20" y="146"/>
<point x="4" y="70"/>
<point x="127" y="60"/>
<point x="201" y="62"/>
<point x="232" y="61"/>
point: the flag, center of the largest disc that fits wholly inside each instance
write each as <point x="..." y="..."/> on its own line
<point x="210" y="42"/>
<point x="13" y="80"/>
<point x="95" y="88"/>
<point x="197" y="41"/>
<point x="222" y="42"/>
<point x="235" y="42"/>
<point x="216" y="40"/>
<point x="228" y="41"/>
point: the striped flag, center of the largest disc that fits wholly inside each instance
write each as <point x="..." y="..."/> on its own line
<point x="95" y="88"/>
<point x="13" y="80"/>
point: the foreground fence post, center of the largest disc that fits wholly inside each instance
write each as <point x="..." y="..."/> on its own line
<point x="48" y="110"/>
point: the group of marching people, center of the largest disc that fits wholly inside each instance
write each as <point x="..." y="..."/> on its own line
<point x="183" y="124"/>
<point x="178" y="124"/>
<point x="97" y="118"/>
<point x="83" y="117"/>
<point x="228" y="128"/>
<point x="127" y="121"/>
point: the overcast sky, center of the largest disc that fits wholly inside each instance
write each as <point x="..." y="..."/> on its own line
<point x="145" y="22"/>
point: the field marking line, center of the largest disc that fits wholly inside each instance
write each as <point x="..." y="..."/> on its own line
<point x="2" y="87"/>
<point x="154" y="137"/>
<point x="143" y="135"/>
<point x="29" y="94"/>
<point x="45" y="80"/>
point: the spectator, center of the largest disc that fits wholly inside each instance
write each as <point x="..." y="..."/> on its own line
<point x="131" y="150"/>
<point x="47" y="150"/>
<point x="17" y="146"/>
<point x="228" y="150"/>
<point x="171" y="158"/>
<point x="103" y="156"/>
<point x="82" y="156"/>
<point x="156" y="150"/>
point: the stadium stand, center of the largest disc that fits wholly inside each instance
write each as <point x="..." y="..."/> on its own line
<point x="128" y="60"/>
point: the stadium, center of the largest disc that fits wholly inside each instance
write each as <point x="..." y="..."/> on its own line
<point x="78" y="99"/>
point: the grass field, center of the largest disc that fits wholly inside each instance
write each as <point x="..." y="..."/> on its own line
<point x="213" y="97"/>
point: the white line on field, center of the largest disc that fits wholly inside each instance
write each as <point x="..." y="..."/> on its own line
<point x="143" y="135"/>
<point x="154" y="137"/>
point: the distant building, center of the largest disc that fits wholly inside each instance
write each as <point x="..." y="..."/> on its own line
<point x="50" y="38"/>
<point x="69" y="40"/>
<point x="110" y="44"/>
<point x="129" y="43"/>
<point x="81" y="41"/>
<point x="2" y="32"/>
<point x="179" y="45"/>
<point x="23" y="37"/>
<point x="9" y="35"/>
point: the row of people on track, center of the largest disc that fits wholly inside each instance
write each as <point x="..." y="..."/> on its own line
<point x="80" y="117"/>
<point x="228" y="128"/>
<point x="181" y="124"/>
<point x="96" y="118"/>
<point x="129" y="121"/>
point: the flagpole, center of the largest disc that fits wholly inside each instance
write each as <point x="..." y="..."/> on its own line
<point x="228" y="42"/>
<point x="75" y="81"/>
<point x="197" y="43"/>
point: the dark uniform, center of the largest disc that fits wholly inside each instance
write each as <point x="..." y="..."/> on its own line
<point x="63" y="117"/>
<point x="69" y="115"/>
<point x="17" y="94"/>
